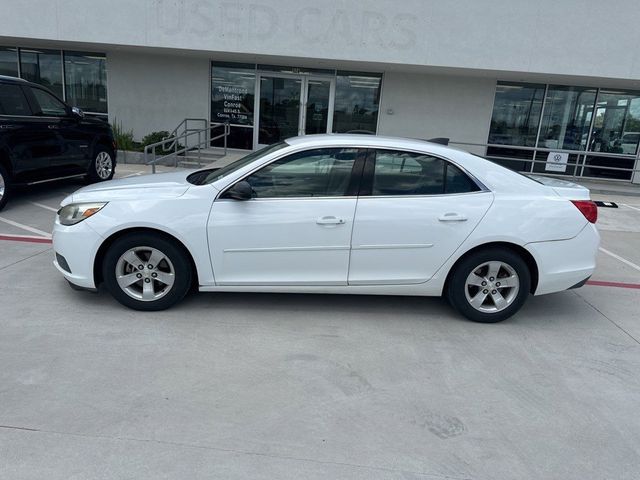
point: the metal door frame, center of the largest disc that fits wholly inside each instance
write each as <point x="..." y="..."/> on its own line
<point x="304" y="93"/>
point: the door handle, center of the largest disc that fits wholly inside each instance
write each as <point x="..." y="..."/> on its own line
<point x="330" y="221"/>
<point x="53" y="127"/>
<point x="452" y="217"/>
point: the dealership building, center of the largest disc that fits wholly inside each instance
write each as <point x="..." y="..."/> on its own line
<point x="549" y="87"/>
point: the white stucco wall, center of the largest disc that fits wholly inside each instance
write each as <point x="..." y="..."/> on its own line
<point x="570" y="37"/>
<point x="428" y="106"/>
<point x="148" y="92"/>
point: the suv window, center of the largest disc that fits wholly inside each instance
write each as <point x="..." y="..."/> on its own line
<point x="407" y="173"/>
<point x="13" y="101"/>
<point x="314" y="173"/>
<point x="50" y="106"/>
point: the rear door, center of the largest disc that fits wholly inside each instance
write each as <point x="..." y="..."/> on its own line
<point x="413" y="212"/>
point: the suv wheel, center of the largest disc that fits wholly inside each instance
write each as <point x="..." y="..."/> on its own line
<point x="489" y="285"/>
<point x="102" y="166"/>
<point x="4" y="186"/>
<point x="147" y="272"/>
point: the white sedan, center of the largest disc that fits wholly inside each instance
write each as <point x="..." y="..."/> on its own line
<point x="353" y="214"/>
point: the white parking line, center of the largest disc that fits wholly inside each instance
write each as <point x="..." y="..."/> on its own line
<point x="46" y="207"/>
<point x="134" y="174"/>
<point x="629" y="206"/>
<point x="618" y="257"/>
<point x="25" y="227"/>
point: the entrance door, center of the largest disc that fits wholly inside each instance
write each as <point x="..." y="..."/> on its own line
<point x="292" y="105"/>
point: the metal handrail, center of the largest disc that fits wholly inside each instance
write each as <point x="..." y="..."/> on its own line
<point x="174" y="132"/>
<point x="174" y="140"/>
<point x="577" y="165"/>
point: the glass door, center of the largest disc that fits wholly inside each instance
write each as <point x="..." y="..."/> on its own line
<point x="292" y="105"/>
<point x="279" y="108"/>
<point x="318" y="111"/>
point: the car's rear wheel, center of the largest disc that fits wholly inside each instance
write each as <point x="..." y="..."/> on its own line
<point x="147" y="272"/>
<point x="5" y="186"/>
<point x="102" y="166"/>
<point x="489" y="285"/>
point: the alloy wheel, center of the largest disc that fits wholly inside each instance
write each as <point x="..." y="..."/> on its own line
<point x="2" y="186"/>
<point x="492" y="286"/>
<point x="104" y="165"/>
<point x="145" y="273"/>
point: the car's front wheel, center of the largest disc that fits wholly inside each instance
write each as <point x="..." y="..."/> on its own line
<point x="102" y="167"/>
<point x="489" y="285"/>
<point x="147" y="272"/>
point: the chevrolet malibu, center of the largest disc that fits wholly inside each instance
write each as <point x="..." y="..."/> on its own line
<point x="354" y="214"/>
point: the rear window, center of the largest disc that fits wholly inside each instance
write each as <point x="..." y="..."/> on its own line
<point x="13" y="101"/>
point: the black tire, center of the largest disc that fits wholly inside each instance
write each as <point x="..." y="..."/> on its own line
<point x="102" y="166"/>
<point x="5" y="186"/>
<point x="175" y="259"/>
<point x="460" y="294"/>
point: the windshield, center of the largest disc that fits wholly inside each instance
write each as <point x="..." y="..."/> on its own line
<point x="214" y="175"/>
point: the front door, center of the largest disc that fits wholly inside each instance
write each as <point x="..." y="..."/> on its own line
<point x="292" y="105"/>
<point x="296" y="230"/>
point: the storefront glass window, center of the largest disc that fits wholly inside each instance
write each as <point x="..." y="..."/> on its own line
<point x="357" y="102"/>
<point x="516" y="114"/>
<point x="567" y="117"/>
<point x="43" y="67"/>
<point x="86" y="81"/>
<point x="9" y="61"/>
<point x="616" y="129"/>
<point x="232" y="96"/>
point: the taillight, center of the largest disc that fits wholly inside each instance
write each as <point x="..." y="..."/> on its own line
<point x="588" y="208"/>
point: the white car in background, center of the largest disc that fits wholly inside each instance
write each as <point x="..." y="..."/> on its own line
<point x="354" y="214"/>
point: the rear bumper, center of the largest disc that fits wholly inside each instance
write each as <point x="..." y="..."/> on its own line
<point x="565" y="264"/>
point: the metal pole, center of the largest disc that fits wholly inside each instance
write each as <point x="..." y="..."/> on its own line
<point x="227" y="129"/>
<point x="199" y="144"/>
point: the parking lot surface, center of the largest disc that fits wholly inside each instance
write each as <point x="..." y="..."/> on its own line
<point x="239" y="386"/>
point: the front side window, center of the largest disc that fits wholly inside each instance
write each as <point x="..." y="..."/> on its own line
<point x="50" y="106"/>
<point x="13" y="101"/>
<point x="322" y="172"/>
<point x="407" y="173"/>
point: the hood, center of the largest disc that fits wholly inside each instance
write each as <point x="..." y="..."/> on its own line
<point x="162" y="185"/>
<point x="564" y="188"/>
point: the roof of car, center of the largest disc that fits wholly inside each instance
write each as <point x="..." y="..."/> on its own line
<point x="7" y="79"/>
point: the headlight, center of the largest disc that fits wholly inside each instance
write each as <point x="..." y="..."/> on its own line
<point x="76" y="212"/>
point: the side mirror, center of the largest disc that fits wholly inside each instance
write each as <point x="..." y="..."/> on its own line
<point x="77" y="112"/>
<point x="240" y="191"/>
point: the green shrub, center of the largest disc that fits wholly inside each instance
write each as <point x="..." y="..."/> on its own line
<point x="124" y="139"/>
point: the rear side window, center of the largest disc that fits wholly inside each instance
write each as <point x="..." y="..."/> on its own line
<point x="13" y="101"/>
<point x="407" y="173"/>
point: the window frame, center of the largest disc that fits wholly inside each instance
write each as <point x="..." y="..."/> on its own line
<point x="353" y="187"/>
<point x="366" y="184"/>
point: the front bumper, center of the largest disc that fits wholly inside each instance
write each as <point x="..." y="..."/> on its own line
<point x="565" y="264"/>
<point x="78" y="245"/>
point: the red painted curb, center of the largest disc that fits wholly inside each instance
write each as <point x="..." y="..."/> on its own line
<point x="18" y="238"/>
<point x="598" y="283"/>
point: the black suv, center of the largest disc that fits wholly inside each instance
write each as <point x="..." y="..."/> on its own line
<point x="43" y="139"/>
